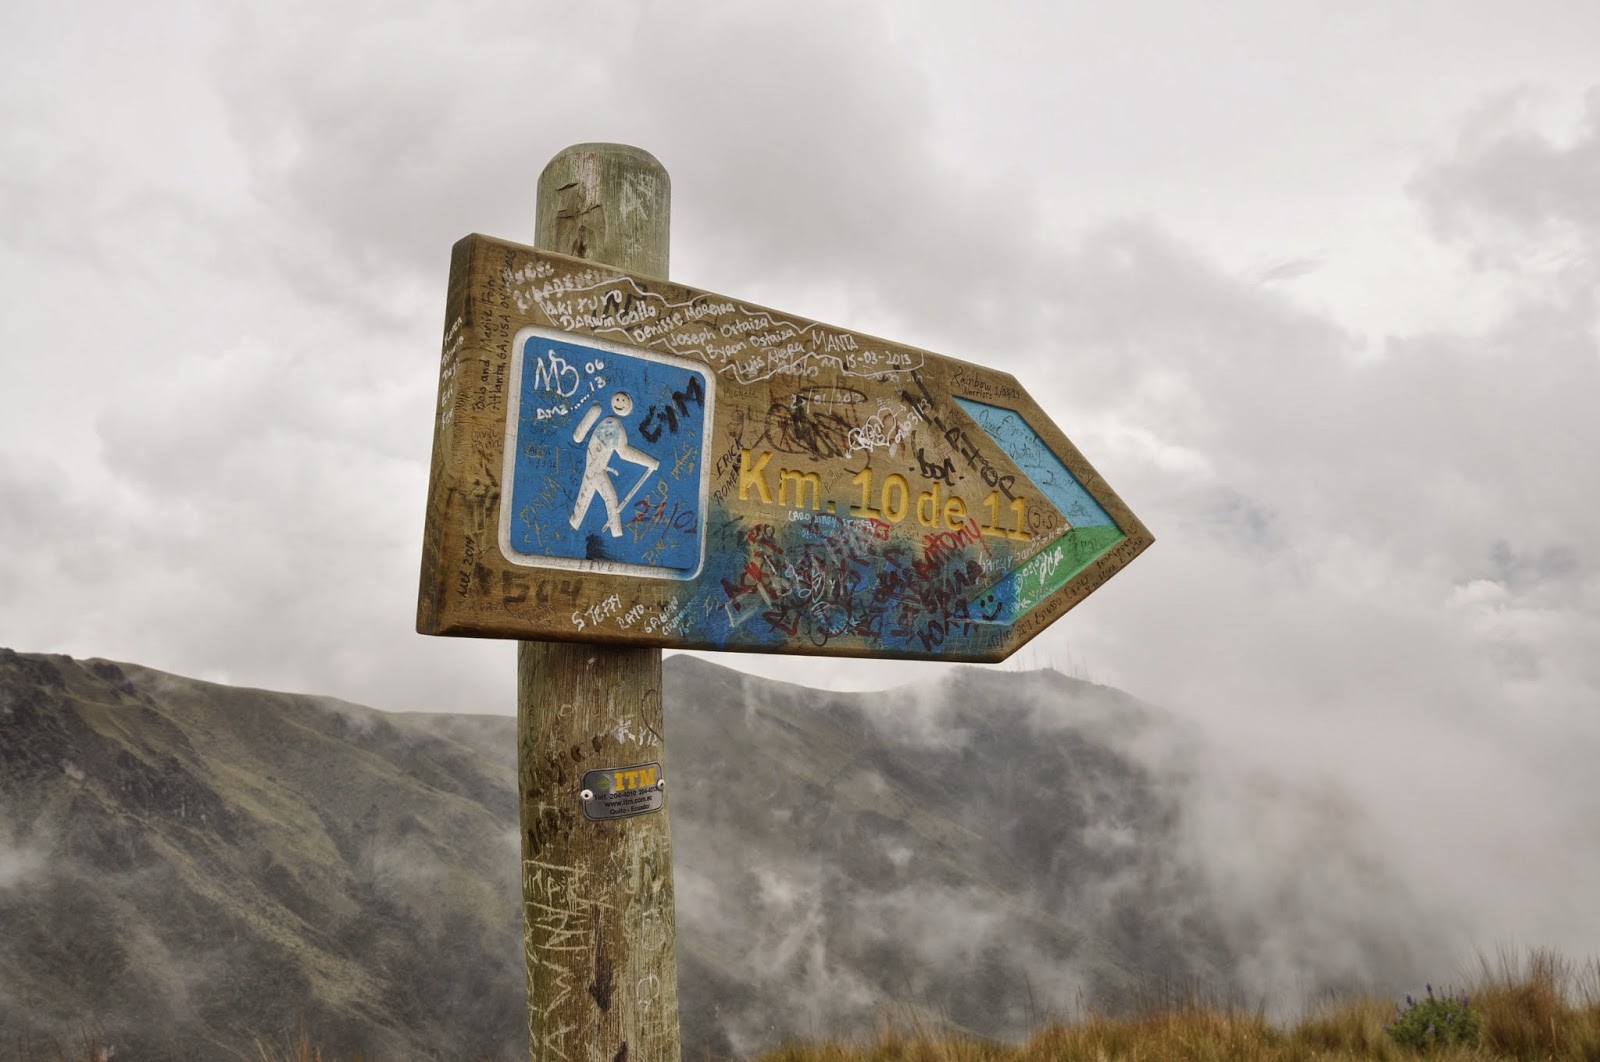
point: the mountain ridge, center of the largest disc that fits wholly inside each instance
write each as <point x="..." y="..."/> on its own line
<point x="189" y="864"/>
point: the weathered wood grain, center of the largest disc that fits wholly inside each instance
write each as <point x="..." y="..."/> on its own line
<point x="598" y="919"/>
<point x="784" y="486"/>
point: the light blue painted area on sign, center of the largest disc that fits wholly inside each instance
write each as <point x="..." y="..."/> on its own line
<point x="604" y="467"/>
<point x="1092" y="531"/>
<point x="1029" y="453"/>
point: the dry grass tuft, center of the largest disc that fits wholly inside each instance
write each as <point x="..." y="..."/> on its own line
<point x="301" y="1049"/>
<point x="87" y="1046"/>
<point x="1541" y="1008"/>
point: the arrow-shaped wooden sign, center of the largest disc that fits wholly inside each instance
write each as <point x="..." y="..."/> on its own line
<point x="623" y="459"/>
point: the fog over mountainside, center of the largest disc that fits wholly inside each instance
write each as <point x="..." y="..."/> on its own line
<point x="1003" y="847"/>
<point x="185" y="864"/>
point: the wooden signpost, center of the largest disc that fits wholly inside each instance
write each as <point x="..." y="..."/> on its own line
<point x="622" y="463"/>
<point x="624" y="460"/>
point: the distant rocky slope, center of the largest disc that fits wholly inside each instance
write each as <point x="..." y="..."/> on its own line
<point x="983" y="852"/>
<point x="186" y="865"/>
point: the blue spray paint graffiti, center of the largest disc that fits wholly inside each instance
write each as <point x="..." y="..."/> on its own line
<point x="814" y="579"/>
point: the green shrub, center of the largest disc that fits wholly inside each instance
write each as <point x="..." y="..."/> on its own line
<point x="1437" y="1021"/>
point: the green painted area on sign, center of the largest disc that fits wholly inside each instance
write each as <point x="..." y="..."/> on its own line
<point x="1057" y="563"/>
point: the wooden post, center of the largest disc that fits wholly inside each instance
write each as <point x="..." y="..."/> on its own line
<point x="597" y="901"/>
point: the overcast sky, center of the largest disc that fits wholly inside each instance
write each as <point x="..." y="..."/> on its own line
<point x="1313" y="286"/>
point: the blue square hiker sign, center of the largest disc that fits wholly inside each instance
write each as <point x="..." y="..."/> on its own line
<point x="604" y="468"/>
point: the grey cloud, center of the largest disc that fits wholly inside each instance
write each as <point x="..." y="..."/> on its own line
<point x="794" y="148"/>
<point x="244" y="517"/>
<point x="380" y="157"/>
<point x="1502" y="171"/>
<point x="1522" y="570"/>
<point x="792" y="137"/>
<point x="1289" y="269"/>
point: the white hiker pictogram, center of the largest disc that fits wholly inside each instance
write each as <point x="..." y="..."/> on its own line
<point x="610" y="437"/>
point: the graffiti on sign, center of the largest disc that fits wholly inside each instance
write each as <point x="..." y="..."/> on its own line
<point x="665" y="466"/>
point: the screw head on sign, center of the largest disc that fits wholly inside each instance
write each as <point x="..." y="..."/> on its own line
<point x="662" y="784"/>
<point x="586" y="796"/>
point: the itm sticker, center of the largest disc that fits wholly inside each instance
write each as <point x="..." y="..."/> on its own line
<point x="622" y="792"/>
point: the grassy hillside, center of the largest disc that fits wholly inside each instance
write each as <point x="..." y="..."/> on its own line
<point x="1542" y="1009"/>
<point x="190" y="862"/>
<point x="1546" y="1010"/>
